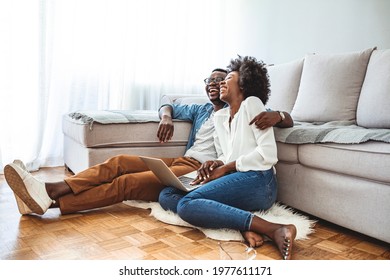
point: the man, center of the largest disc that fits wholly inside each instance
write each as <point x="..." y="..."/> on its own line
<point x="126" y="177"/>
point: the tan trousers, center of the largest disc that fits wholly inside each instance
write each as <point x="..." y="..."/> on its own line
<point x="118" y="179"/>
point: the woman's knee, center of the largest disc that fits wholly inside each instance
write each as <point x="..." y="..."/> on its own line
<point x="184" y="209"/>
<point x="169" y="198"/>
<point x="163" y="198"/>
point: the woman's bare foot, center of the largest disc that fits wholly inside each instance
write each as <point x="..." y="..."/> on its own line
<point x="252" y="238"/>
<point x="284" y="239"/>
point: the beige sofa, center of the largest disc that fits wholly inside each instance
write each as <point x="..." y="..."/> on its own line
<point x="334" y="163"/>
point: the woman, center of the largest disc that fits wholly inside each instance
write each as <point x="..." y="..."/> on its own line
<point x="242" y="179"/>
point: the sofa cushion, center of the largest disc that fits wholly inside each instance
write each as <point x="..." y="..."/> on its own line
<point x="374" y="101"/>
<point x="132" y="134"/>
<point x="370" y="160"/>
<point x="284" y="79"/>
<point x="330" y="86"/>
<point x="287" y="152"/>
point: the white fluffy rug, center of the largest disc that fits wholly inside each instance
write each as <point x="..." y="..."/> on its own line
<point x="277" y="213"/>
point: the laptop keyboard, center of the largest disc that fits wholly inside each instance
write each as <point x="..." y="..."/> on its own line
<point x="186" y="181"/>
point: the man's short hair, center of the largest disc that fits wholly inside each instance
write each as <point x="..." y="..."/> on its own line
<point x="219" y="70"/>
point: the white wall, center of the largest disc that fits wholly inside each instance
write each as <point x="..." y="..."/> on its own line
<point x="278" y="31"/>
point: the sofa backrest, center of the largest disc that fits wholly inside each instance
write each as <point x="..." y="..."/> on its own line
<point x="183" y="99"/>
<point x="330" y="86"/>
<point x="351" y="86"/>
<point x="374" y="102"/>
<point x="285" y="79"/>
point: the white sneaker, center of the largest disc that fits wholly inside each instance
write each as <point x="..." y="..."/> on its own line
<point x="20" y="163"/>
<point x="30" y="190"/>
<point x="23" y="209"/>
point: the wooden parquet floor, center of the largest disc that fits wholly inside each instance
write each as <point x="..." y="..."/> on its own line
<point x="123" y="232"/>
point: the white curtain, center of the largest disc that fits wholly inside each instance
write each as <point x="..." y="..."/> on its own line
<point x="65" y="55"/>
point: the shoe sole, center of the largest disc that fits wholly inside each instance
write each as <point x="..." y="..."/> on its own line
<point x="23" y="209"/>
<point x="17" y="185"/>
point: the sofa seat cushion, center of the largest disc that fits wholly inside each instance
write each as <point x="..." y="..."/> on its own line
<point x="287" y="152"/>
<point x="340" y="132"/>
<point x="370" y="160"/>
<point x="135" y="133"/>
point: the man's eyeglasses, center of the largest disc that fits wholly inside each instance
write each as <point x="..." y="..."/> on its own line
<point x="216" y="80"/>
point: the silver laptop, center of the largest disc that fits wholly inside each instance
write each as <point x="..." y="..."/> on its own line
<point x="167" y="177"/>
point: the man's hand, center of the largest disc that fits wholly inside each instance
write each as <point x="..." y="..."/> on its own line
<point x="266" y="119"/>
<point x="165" y="129"/>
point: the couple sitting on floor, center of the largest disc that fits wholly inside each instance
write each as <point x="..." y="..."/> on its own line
<point x="231" y="145"/>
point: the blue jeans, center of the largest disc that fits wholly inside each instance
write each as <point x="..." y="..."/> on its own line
<point x="225" y="202"/>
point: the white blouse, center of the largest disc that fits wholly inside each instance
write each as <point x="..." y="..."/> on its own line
<point x="250" y="147"/>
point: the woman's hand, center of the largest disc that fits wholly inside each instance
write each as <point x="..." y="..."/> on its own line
<point x="207" y="171"/>
<point x="217" y="173"/>
<point x="208" y="167"/>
